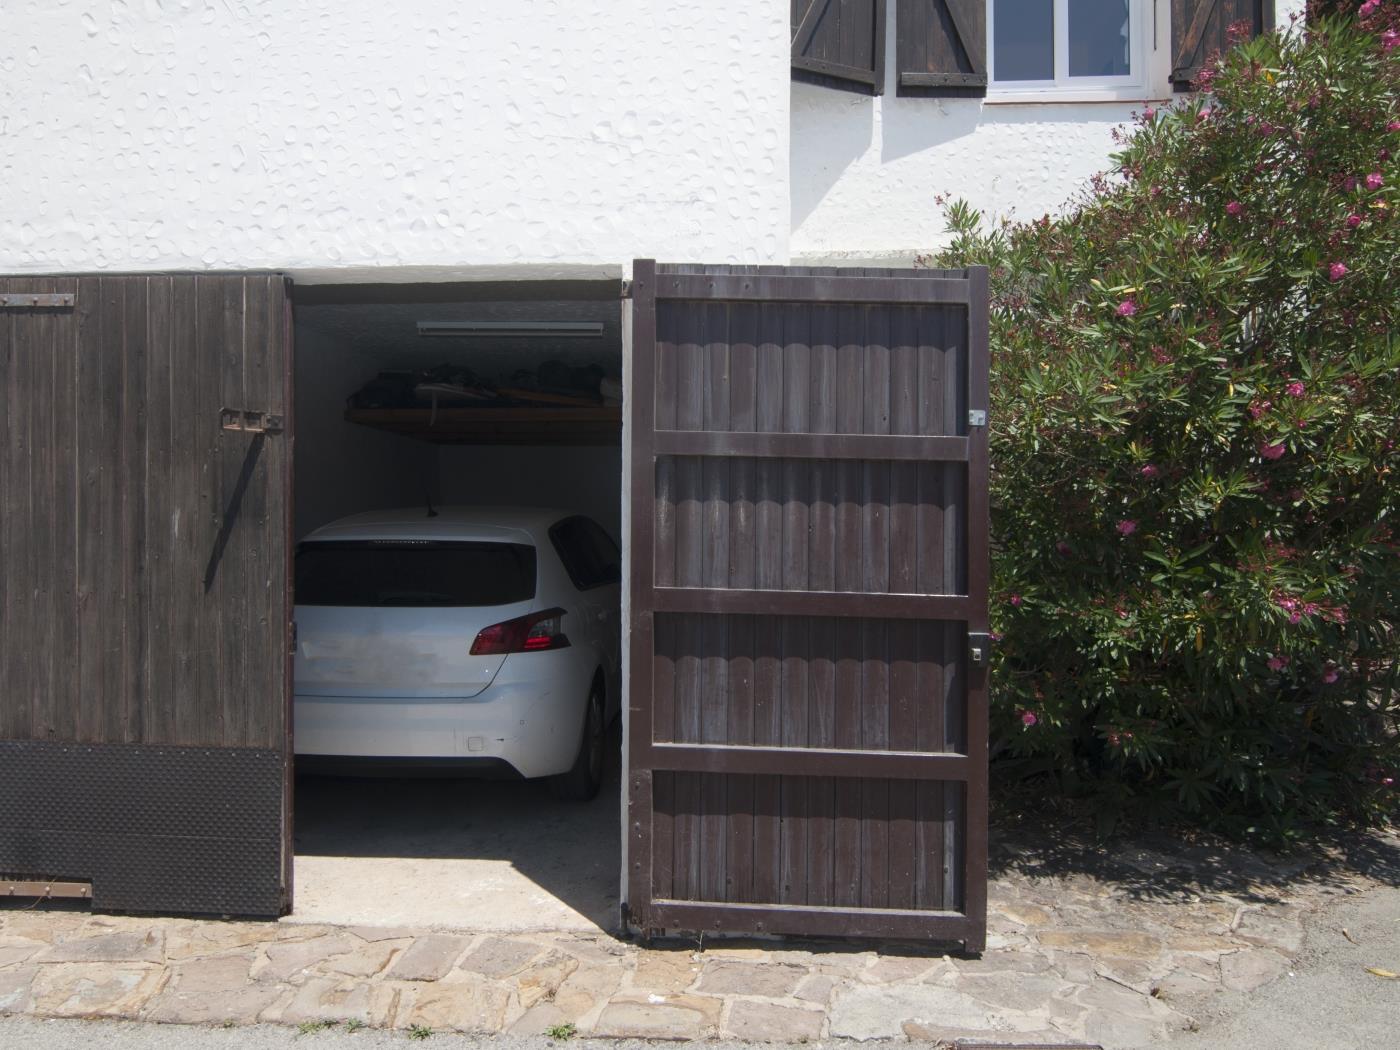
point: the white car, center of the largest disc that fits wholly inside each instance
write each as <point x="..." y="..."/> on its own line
<point x="475" y="640"/>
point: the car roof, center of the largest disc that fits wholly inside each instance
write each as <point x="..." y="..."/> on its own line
<point x="450" y="523"/>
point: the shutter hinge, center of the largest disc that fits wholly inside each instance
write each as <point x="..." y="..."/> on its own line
<point x="977" y="417"/>
<point x="979" y="647"/>
<point x="245" y="422"/>
<point x="31" y="300"/>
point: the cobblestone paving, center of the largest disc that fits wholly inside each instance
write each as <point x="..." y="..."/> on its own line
<point x="1113" y="950"/>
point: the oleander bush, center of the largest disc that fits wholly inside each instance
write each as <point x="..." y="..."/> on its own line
<point x="1195" y="411"/>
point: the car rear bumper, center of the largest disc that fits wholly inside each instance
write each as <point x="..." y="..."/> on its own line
<point x="530" y="718"/>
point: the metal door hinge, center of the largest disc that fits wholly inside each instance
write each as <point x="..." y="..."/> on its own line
<point x="976" y="417"/>
<point x="31" y="300"/>
<point x="979" y="648"/>
<point x="246" y="422"/>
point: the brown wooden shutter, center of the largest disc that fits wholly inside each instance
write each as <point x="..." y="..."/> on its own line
<point x="1200" y="28"/>
<point x="941" y="47"/>
<point x="807" y="705"/>
<point x="840" y="44"/>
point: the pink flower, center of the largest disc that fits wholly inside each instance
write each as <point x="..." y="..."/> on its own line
<point x="1295" y="389"/>
<point x="1393" y="126"/>
<point x="1271" y="451"/>
<point x="1028" y="719"/>
<point x="1288" y="603"/>
<point x="1365" y="9"/>
<point x="1063" y="549"/>
<point x="1331" y="674"/>
<point x="1148" y="113"/>
<point x="1258" y="408"/>
<point x="1353" y="220"/>
<point x="1150" y="470"/>
<point x="1015" y="599"/>
<point x="1337" y="271"/>
<point x="1295" y="617"/>
<point x="1389" y="39"/>
<point x="1278" y="663"/>
<point x="1234" y="208"/>
<point x="1127" y="308"/>
<point x="1374" y="181"/>
<point x="1349" y="183"/>
<point x="1126" y="527"/>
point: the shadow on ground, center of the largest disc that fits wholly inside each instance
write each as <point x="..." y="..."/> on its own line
<point x="499" y="848"/>
<point x="1164" y="865"/>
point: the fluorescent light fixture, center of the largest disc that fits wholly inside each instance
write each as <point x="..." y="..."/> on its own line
<point x="496" y="329"/>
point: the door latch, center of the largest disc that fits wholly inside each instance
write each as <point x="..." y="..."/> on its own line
<point x="245" y="422"/>
<point x="979" y="647"/>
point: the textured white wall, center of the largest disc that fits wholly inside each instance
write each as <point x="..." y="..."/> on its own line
<point x="865" y="171"/>
<point x="144" y="134"/>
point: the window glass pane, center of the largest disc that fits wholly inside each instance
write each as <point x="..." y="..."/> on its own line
<point x="1098" y="38"/>
<point x="414" y="573"/>
<point x="1023" y="38"/>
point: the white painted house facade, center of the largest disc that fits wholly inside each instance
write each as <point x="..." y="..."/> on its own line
<point x="433" y="140"/>
<point x="264" y="265"/>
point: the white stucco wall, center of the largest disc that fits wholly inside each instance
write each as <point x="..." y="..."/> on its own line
<point x="189" y="134"/>
<point x="866" y="171"/>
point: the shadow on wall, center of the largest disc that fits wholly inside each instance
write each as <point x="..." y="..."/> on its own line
<point x="866" y="172"/>
<point x="847" y="133"/>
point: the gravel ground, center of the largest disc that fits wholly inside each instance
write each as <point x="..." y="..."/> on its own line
<point x="1328" y="1001"/>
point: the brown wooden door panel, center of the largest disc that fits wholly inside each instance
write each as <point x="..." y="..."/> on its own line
<point x="144" y="590"/>
<point x="807" y="731"/>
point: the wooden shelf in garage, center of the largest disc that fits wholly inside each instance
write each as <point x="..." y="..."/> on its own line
<point x="513" y="425"/>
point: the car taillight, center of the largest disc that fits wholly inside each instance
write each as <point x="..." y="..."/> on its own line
<point x="532" y="633"/>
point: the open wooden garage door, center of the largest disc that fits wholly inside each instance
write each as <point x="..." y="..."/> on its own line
<point x="807" y="713"/>
<point x="144" y="591"/>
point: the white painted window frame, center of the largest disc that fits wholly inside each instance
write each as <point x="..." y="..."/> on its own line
<point x="1149" y="56"/>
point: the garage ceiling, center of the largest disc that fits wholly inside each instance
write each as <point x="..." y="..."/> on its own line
<point x="384" y="335"/>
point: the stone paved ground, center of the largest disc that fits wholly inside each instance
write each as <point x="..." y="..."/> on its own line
<point x="1116" y="946"/>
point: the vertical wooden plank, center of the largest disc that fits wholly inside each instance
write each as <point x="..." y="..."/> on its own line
<point x="261" y="553"/>
<point x="211" y="462"/>
<point x="58" y="711"/>
<point x="17" y="351"/>
<point x="768" y="567"/>
<point x="238" y="457"/>
<point x="133" y="483"/>
<point x="84" y="722"/>
<point x="795" y="647"/>
<point x="52" y="422"/>
<point x="188" y="532"/>
<point x="662" y="861"/>
<point x="158" y="717"/>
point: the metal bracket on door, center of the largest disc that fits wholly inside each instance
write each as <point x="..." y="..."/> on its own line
<point x="245" y="422"/>
<point x="979" y="647"/>
<point x="31" y="300"/>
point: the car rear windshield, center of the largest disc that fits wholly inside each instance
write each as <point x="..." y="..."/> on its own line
<point x="414" y="573"/>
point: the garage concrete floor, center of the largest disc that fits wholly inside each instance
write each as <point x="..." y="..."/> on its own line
<point x="477" y="855"/>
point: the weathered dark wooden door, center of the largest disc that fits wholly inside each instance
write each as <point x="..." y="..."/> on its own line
<point x="143" y="589"/>
<point x="807" y="712"/>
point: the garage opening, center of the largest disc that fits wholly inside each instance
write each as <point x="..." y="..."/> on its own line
<point x="457" y="510"/>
